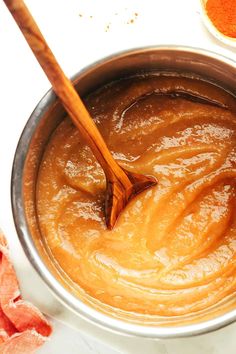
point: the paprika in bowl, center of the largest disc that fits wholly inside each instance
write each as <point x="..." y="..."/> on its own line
<point x="75" y="277"/>
<point x="219" y="17"/>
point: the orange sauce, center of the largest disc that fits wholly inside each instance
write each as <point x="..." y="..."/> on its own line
<point x="172" y="250"/>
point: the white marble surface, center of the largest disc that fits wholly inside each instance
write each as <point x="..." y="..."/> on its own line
<point x="78" y="41"/>
<point x="66" y="340"/>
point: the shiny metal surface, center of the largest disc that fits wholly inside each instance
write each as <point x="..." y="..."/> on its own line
<point x="44" y="119"/>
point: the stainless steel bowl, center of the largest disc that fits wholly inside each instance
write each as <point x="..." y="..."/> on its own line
<point x="37" y="132"/>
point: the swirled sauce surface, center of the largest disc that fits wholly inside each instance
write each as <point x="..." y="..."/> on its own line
<point x="172" y="251"/>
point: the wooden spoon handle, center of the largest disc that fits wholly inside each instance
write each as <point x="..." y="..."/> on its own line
<point x="65" y="90"/>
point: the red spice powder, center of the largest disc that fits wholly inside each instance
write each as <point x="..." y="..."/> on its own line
<point x="223" y="15"/>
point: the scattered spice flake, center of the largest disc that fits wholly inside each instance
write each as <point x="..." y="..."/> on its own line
<point x="107" y="28"/>
<point x="81" y="15"/>
<point x="130" y="21"/>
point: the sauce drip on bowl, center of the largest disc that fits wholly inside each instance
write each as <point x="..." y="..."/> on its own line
<point x="172" y="251"/>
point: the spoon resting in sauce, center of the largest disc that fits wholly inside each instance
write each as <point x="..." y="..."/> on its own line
<point x="122" y="185"/>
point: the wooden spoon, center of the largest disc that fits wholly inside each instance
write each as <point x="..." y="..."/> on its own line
<point x="122" y="185"/>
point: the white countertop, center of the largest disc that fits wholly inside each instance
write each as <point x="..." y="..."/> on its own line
<point x="79" y="32"/>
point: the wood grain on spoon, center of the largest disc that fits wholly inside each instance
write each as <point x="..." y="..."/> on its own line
<point x="121" y="184"/>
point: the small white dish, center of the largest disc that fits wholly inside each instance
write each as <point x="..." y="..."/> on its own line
<point x="212" y="29"/>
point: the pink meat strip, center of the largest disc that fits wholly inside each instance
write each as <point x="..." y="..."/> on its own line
<point x="23" y="328"/>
